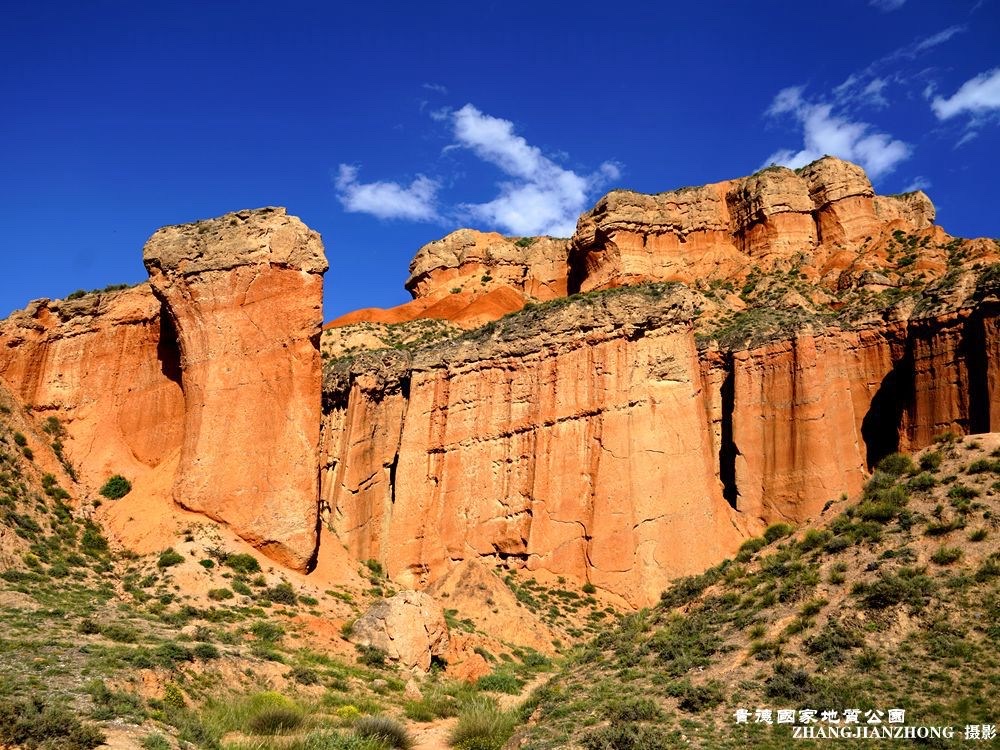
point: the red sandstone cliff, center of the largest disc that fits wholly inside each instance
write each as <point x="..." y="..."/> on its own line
<point x="622" y="436"/>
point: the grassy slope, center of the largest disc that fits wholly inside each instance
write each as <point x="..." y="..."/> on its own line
<point x="893" y="602"/>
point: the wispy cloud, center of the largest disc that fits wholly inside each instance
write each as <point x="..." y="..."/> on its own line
<point x="387" y="200"/>
<point x="977" y="96"/>
<point x="917" y="183"/>
<point x="826" y="132"/>
<point x="887" y="6"/>
<point x="437" y="88"/>
<point x="536" y="195"/>
<point x="540" y="197"/>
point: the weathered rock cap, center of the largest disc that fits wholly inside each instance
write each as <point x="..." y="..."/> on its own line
<point x="241" y="238"/>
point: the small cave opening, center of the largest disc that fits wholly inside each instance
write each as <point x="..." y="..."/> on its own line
<point x="168" y="349"/>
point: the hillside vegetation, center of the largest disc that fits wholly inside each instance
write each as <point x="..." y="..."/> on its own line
<point x="890" y="602"/>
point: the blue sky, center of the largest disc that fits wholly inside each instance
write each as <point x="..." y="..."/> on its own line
<point x="388" y="125"/>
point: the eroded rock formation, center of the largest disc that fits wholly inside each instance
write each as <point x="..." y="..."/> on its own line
<point x="245" y="292"/>
<point x="776" y="217"/>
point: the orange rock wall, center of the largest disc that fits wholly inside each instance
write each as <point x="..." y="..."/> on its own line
<point x="613" y="461"/>
<point x="591" y="461"/>
<point x="102" y="366"/>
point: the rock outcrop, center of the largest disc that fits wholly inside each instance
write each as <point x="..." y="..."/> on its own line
<point x="107" y="367"/>
<point x="244" y="293"/>
<point x="777" y="217"/>
<point x="409" y="627"/>
<point x="481" y="261"/>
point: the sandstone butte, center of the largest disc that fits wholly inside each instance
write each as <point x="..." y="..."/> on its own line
<point x="728" y="356"/>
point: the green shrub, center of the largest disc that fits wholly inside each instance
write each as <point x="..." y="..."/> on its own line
<point x="304" y="675"/>
<point x="500" y="682"/>
<point x="116" y="487"/>
<point x="749" y="547"/>
<point x="896" y="464"/>
<point x="777" y="531"/>
<point x="588" y="588"/>
<point x="906" y="586"/>
<point x="628" y="737"/>
<point x="266" y="631"/>
<point x="206" y="651"/>
<point x="169" y="558"/>
<point x="789" y="683"/>
<point x="384" y="729"/>
<point x="20" y="440"/>
<point x="946" y="555"/>
<point x="815" y="538"/>
<point x="283" y="593"/>
<point x="482" y="725"/>
<point x="922" y="482"/>
<point x="978" y="535"/>
<point x="371" y="656"/>
<point x="931" y="461"/>
<point x="832" y="643"/>
<point x="34" y="723"/>
<point x="242" y="563"/>
<point x="120" y="633"/>
<point x="983" y="466"/>
<point x="695" y="698"/>
<point x="113" y="704"/>
<point x="219" y="595"/>
<point x="272" y="713"/>
<point x="633" y="709"/>
<point x="431" y="706"/>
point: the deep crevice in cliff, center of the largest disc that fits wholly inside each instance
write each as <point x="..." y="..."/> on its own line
<point x="727" y="446"/>
<point x="168" y="350"/>
<point x="976" y="358"/>
<point x="880" y="427"/>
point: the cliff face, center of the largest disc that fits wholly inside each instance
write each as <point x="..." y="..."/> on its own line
<point x="245" y="293"/>
<point x="211" y="373"/>
<point x="556" y="441"/>
<point x="104" y="366"/>
<point x="625" y="437"/>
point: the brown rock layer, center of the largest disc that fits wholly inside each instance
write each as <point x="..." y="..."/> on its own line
<point x="244" y="292"/>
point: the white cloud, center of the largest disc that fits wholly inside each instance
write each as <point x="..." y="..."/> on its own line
<point x="977" y="96"/>
<point x="887" y="5"/>
<point x="917" y="183"/>
<point x="387" y="200"/>
<point x="541" y="197"/>
<point x="437" y="88"/>
<point x="934" y="40"/>
<point x="826" y="133"/>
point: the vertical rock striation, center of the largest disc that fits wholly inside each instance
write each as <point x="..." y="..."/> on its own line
<point x="244" y="292"/>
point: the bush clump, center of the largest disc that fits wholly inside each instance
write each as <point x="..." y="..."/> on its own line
<point x="906" y="586"/>
<point x="116" y="487"/>
<point x="36" y="724"/>
<point x="384" y="729"/>
<point x="482" y="725"/>
<point x="242" y="563"/>
<point x="895" y="465"/>
<point x="169" y="557"/>
<point x="272" y="713"/>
